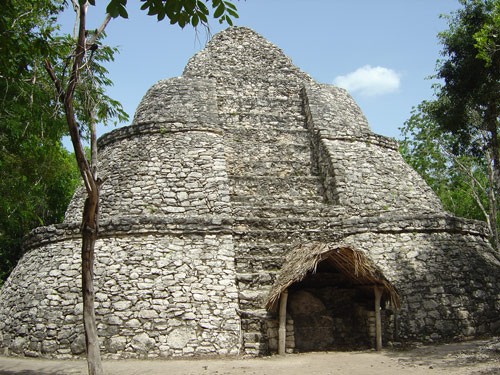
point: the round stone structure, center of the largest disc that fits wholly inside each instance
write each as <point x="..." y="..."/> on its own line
<point x="222" y="173"/>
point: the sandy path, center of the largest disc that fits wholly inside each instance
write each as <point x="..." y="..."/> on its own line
<point x="475" y="357"/>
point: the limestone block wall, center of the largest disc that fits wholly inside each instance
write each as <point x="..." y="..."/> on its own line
<point x="268" y="158"/>
<point x="360" y="170"/>
<point x="173" y="164"/>
<point x="443" y="268"/>
<point x="165" y="262"/>
<point x="159" y="293"/>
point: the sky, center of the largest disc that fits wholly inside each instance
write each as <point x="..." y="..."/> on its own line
<point x="381" y="51"/>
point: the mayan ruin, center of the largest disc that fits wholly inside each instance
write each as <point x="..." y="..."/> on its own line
<point x="250" y="210"/>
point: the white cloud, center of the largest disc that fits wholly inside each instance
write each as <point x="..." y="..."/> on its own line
<point x="370" y="81"/>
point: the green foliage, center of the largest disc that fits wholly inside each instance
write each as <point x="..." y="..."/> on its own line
<point x="180" y="12"/>
<point x="453" y="141"/>
<point x="37" y="175"/>
<point x="453" y="177"/>
<point x="471" y="88"/>
<point x="488" y="37"/>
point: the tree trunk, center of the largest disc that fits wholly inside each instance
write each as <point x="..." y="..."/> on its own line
<point x="89" y="226"/>
<point x="492" y="123"/>
<point x="89" y="236"/>
<point x="493" y="145"/>
<point x="492" y="201"/>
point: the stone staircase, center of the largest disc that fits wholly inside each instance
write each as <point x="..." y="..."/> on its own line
<point x="277" y="200"/>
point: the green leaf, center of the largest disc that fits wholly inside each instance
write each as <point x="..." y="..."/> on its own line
<point x="113" y="9"/>
<point x="233" y="13"/>
<point x="219" y="10"/>
<point x="195" y="20"/>
<point x="189" y="5"/>
<point x="123" y="12"/>
<point x="203" y="8"/>
<point x="230" y="5"/>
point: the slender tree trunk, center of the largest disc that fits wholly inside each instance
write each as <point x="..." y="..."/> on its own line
<point x="89" y="228"/>
<point x="492" y="202"/>
<point x="493" y="145"/>
<point x="89" y="236"/>
<point x="494" y="149"/>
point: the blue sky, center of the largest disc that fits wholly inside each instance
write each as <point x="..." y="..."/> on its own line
<point x="381" y="51"/>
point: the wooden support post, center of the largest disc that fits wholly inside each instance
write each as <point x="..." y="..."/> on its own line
<point x="282" y="323"/>
<point x="378" y="321"/>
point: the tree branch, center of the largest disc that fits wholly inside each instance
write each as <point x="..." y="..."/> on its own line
<point x="57" y="83"/>
<point x="76" y="8"/>
<point x="99" y="31"/>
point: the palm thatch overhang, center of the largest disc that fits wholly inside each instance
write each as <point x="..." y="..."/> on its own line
<point x="356" y="266"/>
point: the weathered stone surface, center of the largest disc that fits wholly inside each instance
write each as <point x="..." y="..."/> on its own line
<point x="223" y="170"/>
<point x="78" y="345"/>
<point x="180" y="337"/>
<point x="142" y="343"/>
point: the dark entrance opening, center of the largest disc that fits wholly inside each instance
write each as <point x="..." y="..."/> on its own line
<point x="334" y="295"/>
<point x="330" y="313"/>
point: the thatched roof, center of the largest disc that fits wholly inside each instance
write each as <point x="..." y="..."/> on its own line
<point x="356" y="266"/>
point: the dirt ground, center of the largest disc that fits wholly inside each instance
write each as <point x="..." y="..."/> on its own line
<point x="479" y="357"/>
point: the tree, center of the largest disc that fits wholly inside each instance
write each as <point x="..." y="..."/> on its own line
<point x="459" y="129"/>
<point x="488" y="37"/>
<point x="180" y="12"/>
<point x="469" y="100"/>
<point x="37" y="175"/>
<point x="462" y="180"/>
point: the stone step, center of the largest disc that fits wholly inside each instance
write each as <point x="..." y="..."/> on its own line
<point x="271" y="167"/>
<point x="250" y="233"/>
<point x="281" y="223"/>
<point x="292" y="186"/>
<point x="260" y="122"/>
<point x="256" y="278"/>
<point x="248" y="151"/>
<point x="263" y="249"/>
<point x="258" y="264"/>
<point x="253" y="337"/>
<point x="262" y="282"/>
<point x="251" y="101"/>
<point x="271" y="131"/>
<point x="266" y="210"/>
<point x="252" y="200"/>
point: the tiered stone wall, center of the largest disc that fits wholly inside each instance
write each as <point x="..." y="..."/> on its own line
<point x="361" y="171"/>
<point x="271" y="174"/>
<point x="444" y="268"/>
<point x="172" y="164"/>
<point x="158" y="294"/>
<point x="165" y="270"/>
<point x="223" y="171"/>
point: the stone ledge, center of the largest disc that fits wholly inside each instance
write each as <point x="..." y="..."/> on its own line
<point x="132" y="225"/>
<point x="414" y="222"/>
<point x="374" y="139"/>
<point x="390" y="222"/>
<point x="152" y="128"/>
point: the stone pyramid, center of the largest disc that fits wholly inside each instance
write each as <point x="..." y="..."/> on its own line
<point x="224" y="172"/>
